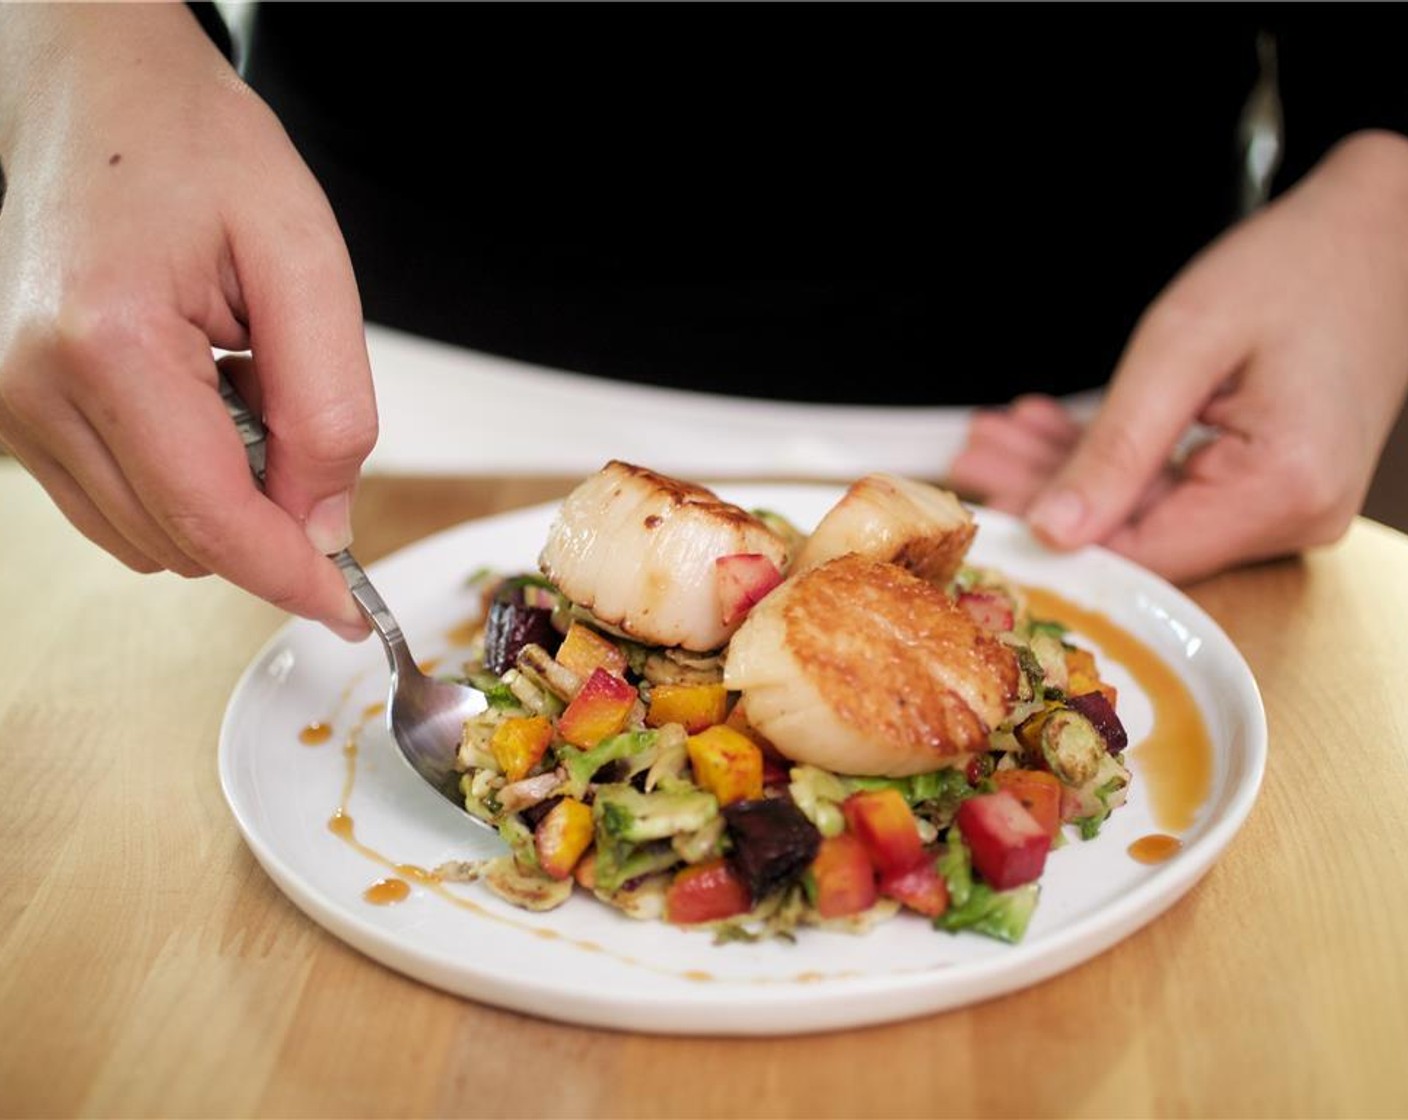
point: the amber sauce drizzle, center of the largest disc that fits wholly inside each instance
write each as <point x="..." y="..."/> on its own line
<point x="391" y="890"/>
<point x="1175" y="758"/>
<point x="384" y="892"/>
<point x="1155" y="848"/>
<point x="315" y="734"/>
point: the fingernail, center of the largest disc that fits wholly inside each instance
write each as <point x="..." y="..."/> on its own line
<point x="329" y="524"/>
<point x="348" y="629"/>
<point x="1057" y="516"/>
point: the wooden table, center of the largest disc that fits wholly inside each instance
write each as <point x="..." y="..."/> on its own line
<point x="149" y="967"/>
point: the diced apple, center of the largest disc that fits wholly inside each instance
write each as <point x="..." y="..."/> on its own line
<point x="695" y="706"/>
<point x="705" y="892"/>
<point x="1007" y="844"/>
<point x="518" y="743"/>
<point x="989" y="608"/>
<point x="882" y="820"/>
<point x="743" y="579"/>
<point x="599" y="710"/>
<point x="921" y="889"/>
<point x="584" y="650"/>
<point x="562" y="836"/>
<point x="729" y="765"/>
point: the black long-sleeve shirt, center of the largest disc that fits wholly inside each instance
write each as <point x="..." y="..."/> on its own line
<point x="868" y="202"/>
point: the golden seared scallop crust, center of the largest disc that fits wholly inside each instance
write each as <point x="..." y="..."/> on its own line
<point x="638" y="548"/>
<point x="859" y="667"/>
<point x="921" y="527"/>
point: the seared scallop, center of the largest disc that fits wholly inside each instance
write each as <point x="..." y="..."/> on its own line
<point x="918" y="526"/>
<point x="859" y="667"/>
<point x="638" y="550"/>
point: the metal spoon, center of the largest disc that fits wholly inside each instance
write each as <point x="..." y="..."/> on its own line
<point x="425" y="716"/>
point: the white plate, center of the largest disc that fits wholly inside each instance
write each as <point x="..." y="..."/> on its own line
<point x="585" y="963"/>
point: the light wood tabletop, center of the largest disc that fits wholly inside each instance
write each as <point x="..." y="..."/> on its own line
<point x="149" y="966"/>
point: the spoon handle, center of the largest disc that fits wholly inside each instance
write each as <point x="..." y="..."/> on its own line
<point x="254" y="436"/>
<point x="374" y="607"/>
<point x="251" y="428"/>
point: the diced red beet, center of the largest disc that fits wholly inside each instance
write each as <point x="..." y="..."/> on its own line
<point x="511" y="625"/>
<point x="1096" y="707"/>
<point x="773" y="842"/>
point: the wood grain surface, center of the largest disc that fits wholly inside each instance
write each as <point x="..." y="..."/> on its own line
<point x="149" y="967"/>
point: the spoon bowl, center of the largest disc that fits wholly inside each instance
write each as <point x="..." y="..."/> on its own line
<point x="425" y="716"/>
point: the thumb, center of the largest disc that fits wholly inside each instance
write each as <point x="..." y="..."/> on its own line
<point x="311" y="374"/>
<point x="1167" y="375"/>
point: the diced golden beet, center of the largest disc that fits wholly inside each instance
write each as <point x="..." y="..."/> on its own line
<point x="1084" y="675"/>
<point x="1028" y="732"/>
<point x="584" y="650"/>
<point x="738" y="720"/>
<point x="696" y="706"/>
<point x="562" y="836"/>
<point x="883" y="821"/>
<point x="518" y="743"/>
<point x="726" y="763"/>
<point x="585" y="872"/>
<point x="842" y="877"/>
<point x="1039" y="791"/>
<point x="599" y="710"/>
<point x="776" y="766"/>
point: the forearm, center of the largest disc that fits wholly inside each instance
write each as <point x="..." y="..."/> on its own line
<point x="1373" y="165"/>
<point x="1360" y="192"/>
<point x="55" y="56"/>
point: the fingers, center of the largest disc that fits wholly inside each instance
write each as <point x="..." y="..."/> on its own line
<point x="1223" y="509"/>
<point x="74" y="466"/>
<point x="75" y="504"/>
<point x="1046" y="416"/>
<point x="1011" y="453"/>
<point x="311" y="367"/>
<point x="124" y="428"/>
<point x="176" y="449"/>
<point x="1176" y="361"/>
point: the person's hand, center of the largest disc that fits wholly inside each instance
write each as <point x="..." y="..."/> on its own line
<point x="155" y="211"/>
<point x="1283" y="347"/>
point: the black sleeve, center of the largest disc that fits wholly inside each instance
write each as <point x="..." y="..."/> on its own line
<point x="213" y="24"/>
<point x="1340" y="70"/>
